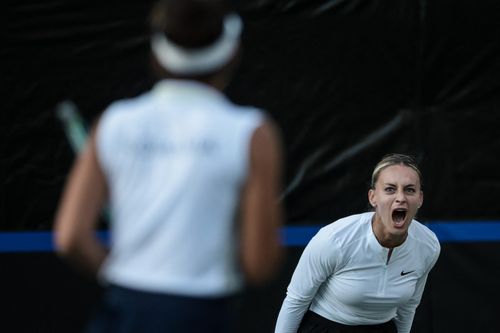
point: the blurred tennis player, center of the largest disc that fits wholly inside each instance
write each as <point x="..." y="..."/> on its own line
<point x="192" y="181"/>
<point x="367" y="272"/>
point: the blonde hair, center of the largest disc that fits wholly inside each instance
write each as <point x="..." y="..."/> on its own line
<point x="394" y="159"/>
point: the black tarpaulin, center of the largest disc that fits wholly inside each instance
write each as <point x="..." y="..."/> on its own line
<point x="346" y="80"/>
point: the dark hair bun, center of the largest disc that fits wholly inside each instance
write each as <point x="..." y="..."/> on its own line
<point x="190" y="23"/>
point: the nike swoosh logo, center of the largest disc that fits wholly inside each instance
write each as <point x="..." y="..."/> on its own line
<point x="403" y="273"/>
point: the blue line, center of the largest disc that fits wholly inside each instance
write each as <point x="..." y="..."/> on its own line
<point x="26" y="241"/>
<point x="36" y="241"/>
<point x="298" y="235"/>
<point x="446" y="231"/>
<point x="466" y="231"/>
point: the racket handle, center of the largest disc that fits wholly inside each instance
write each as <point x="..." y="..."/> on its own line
<point x="73" y="124"/>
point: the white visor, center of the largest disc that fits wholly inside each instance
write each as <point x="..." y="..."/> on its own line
<point x="179" y="60"/>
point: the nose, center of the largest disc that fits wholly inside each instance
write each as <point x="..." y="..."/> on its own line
<point x="400" y="196"/>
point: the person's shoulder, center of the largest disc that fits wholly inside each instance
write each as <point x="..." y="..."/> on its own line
<point x="346" y="229"/>
<point x="127" y="109"/>
<point x="246" y="112"/>
<point x="129" y="104"/>
<point x="246" y="121"/>
<point x="425" y="236"/>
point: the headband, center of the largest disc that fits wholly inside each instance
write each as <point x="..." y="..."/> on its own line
<point x="180" y="60"/>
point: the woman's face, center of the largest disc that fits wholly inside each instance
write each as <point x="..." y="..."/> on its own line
<point x="396" y="198"/>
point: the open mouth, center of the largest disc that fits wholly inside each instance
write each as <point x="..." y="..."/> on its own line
<point x="398" y="217"/>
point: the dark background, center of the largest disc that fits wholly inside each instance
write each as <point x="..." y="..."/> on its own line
<point x="347" y="82"/>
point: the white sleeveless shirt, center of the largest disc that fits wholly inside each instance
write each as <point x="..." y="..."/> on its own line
<point x="175" y="159"/>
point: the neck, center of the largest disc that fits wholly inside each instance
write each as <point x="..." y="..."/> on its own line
<point x="218" y="82"/>
<point x="385" y="238"/>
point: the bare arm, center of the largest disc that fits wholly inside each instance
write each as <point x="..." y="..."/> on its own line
<point x="261" y="248"/>
<point x="77" y="215"/>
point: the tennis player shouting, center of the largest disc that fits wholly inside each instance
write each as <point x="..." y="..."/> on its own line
<point x="367" y="272"/>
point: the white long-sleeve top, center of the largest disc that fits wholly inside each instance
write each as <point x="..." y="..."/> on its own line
<point x="344" y="275"/>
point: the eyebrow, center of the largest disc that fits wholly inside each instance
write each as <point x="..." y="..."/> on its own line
<point x="391" y="184"/>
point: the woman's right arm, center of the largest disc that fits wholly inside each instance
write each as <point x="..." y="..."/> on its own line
<point x="316" y="264"/>
<point x="78" y="212"/>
